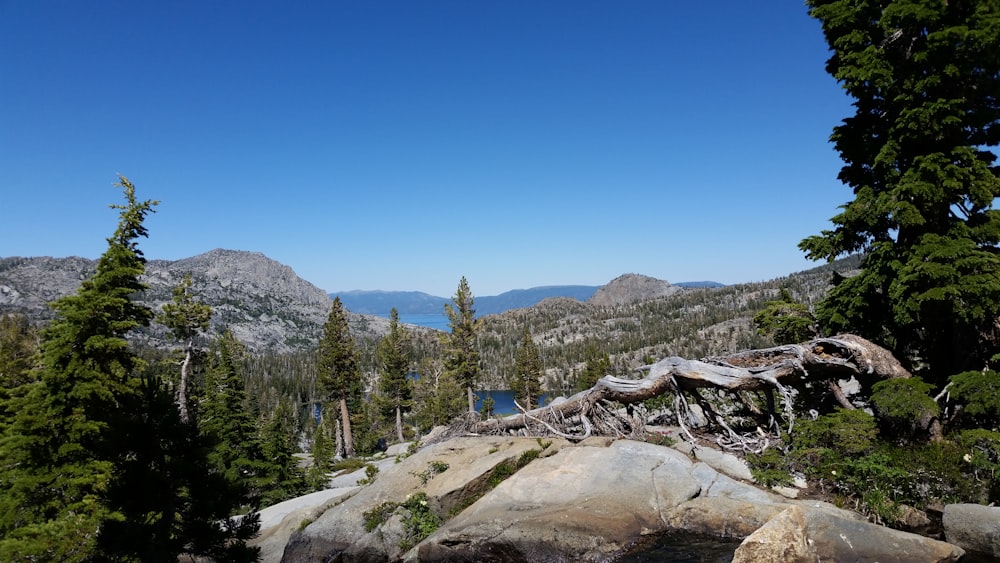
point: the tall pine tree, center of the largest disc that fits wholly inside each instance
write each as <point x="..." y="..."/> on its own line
<point x="95" y="465"/>
<point x="461" y="360"/>
<point x="526" y="383"/>
<point x="394" y="353"/>
<point x="339" y="376"/>
<point x="925" y="77"/>
<point x="186" y="317"/>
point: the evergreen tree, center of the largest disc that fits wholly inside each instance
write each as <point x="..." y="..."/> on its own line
<point x="91" y="430"/>
<point x="438" y="395"/>
<point x="18" y="346"/>
<point x="285" y="478"/>
<point x="786" y="320"/>
<point x="925" y="78"/>
<point x="185" y="316"/>
<point x="526" y="383"/>
<point x="339" y="376"/>
<point x="598" y="365"/>
<point x="394" y="352"/>
<point x="323" y="452"/>
<point x="461" y="360"/>
<point x="237" y="451"/>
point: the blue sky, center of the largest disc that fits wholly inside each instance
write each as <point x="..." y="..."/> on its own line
<point x="401" y="145"/>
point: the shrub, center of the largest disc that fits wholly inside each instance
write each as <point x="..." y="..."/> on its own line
<point x="770" y="468"/>
<point x="419" y="521"/>
<point x="904" y="406"/>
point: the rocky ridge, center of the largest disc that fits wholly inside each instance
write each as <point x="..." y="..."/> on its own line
<point x="630" y="288"/>
<point x="596" y="500"/>
<point x="261" y="301"/>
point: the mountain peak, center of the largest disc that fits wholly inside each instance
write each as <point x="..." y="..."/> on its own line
<point x="629" y="288"/>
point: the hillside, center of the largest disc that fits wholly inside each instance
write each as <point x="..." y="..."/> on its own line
<point x="632" y="319"/>
<point x="263" y="302"/>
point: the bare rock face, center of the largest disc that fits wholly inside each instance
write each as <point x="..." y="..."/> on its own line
<point x="630" y="288"/>
<point x="587" y="501"/>
<point x="263" y="302"/>
<point x="973" y="527"/>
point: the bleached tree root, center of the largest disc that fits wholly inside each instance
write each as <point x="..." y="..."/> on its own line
<point x="599" y="410"/>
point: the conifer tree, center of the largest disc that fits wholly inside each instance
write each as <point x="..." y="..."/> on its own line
<point x="786" y="320"/>
<point x="339" y="376"/>
<point x="185" y="316"/>
<point x="526" y="383"/>
<point x="91" y="428"/>
<point x="597" y="365"/>
<point x="285" y="479"/>
<point x="925" y="78"/>
<point x="394" y="353"/>
<point x="237" y="451"/>
<point x="323" y="452"/>
<point x="461" y="360"/>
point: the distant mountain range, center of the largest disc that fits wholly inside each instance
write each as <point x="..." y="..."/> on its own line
<point x="378" y="302"/>
<point x="268" y="307"/>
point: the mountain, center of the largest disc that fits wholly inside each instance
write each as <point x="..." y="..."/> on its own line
<point x="630" y="288"/>
<point x="261" y="301"/>
<point x="379" y="302"/>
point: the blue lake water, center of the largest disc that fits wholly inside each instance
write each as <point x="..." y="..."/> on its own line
<point x="503" y="399"/>
<point x="439" y="322"/>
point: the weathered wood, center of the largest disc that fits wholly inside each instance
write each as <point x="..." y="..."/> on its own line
<point x="820" y="359"/>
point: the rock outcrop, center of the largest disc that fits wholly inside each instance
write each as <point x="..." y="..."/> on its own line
<point x="263" y="302"/>
<point x="591" y="501"/>
<point x="630" y="288"/>
<point x="973" y="527"/>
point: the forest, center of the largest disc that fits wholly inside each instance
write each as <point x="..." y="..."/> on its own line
<point x="111" y="450"/>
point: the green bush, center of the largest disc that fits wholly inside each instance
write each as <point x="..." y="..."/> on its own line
<point x="419" y="521"/>
<point x="979" y="394"/>
<point x="770" y="468"/>
<point x="903" y="406"/>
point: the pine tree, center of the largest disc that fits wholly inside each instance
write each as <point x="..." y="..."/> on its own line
<point x="185" y="316"/>
<point x="285" y="478"/>
<point x="92" y="428"/>
<point x="339" y="376"/>
<point x="925" y="78"/>
<point x="224" y="419"/>
<point x="323" y="452"/>
<point x="786" y="320"/>
<point x="526" y="383"/>
<point x="598" y="365"/>
<point x="394" y="353"/>
<point x="461" y="356"/>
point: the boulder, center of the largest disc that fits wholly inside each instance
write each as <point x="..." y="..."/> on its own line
<point x="973" y="527"/>
<point x="278" y="522"/>
<point x="801" y="534"/>
<point x="783" y="539"/>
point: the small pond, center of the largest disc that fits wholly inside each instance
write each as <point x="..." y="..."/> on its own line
<point x="683" y="547"/>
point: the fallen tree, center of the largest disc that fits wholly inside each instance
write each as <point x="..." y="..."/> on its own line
<point x="807" y="372"/>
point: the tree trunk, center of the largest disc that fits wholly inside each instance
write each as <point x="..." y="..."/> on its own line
<point x="820" y="359"/>
<point x="399" y="423"/>
<point x="345" y="417"/>
<point x="472" y="400"/>
<point x="182" y="388"/>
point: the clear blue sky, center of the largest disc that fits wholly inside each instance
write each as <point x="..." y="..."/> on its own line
<point x="401" y="145"/>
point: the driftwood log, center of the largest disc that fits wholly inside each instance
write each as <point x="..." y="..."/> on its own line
<point x="606" y="408"/>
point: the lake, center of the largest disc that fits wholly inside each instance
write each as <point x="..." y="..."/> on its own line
<point x="435" y="321"/>
<point x="503" y="399"/>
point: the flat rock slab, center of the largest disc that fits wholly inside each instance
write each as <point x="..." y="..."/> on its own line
<point x="586" y="502"/>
